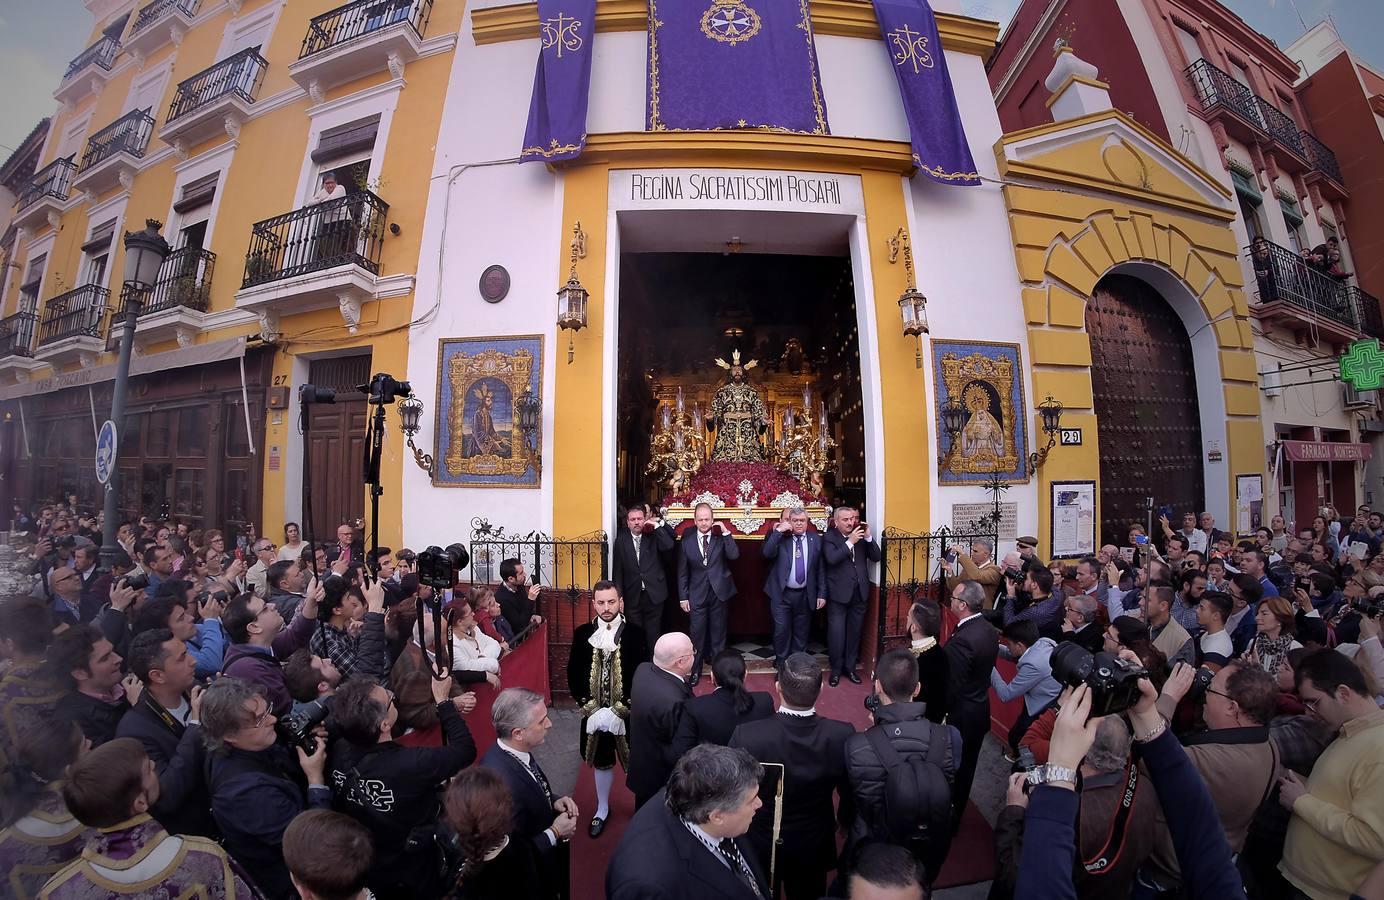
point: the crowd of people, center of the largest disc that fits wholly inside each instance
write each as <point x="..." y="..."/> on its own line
<point x="219" y="716"/>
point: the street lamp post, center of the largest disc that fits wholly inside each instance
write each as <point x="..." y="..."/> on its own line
<point x="145" y="252"/>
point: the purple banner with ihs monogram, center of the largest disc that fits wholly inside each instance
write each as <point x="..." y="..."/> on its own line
<point x="733" y="64"/>
<point x="561" y="82"/>
<point x="910" y="35"/>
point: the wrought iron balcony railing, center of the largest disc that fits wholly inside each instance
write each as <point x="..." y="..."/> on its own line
<point x="354" y="20"/>
<point x="1217" y="89"/>
<point x="1281" y="127"/>
<point x="78" y="313"/>
<point x="127" y="134"/>
<point x="346" y="231"/>
<point x="1283" y="275"/>
<point x="17" y="335"/>
<point x="53" y="180"/>
<point x="155" y="11"/>
<point x="1366" y="307"/>
<point x="102" y="53"/>
<point x="238" y="75"/>
<point x="184" y="280"/>
<point x="1322" y="158"/>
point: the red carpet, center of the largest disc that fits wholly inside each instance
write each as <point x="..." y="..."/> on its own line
<point x="971" y="858"/>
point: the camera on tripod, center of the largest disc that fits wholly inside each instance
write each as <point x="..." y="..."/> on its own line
<point x="439" y="568"/>
<point x="384" y="389"/>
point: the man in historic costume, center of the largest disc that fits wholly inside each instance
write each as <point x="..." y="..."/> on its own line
<point x="600" y="673"/>
<point x="112" y="789"/>
<point x="737" y="412"/>
<point x="485" y="440"/>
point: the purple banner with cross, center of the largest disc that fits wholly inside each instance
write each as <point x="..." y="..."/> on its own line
<point x="561" y="81"/>
<point x="910" y="35"/>
<point x="733" y="64"/>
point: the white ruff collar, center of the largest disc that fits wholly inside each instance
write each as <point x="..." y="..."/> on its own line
<point x="603" y="638"/>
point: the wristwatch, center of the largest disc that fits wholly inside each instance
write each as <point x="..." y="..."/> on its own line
<point x="1048" y="773"/>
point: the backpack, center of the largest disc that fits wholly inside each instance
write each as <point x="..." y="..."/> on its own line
<point x="917" y="797"/>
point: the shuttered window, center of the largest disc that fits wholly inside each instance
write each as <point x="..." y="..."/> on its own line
<point x="346" y="140"/>
<point x="197" y="193"/>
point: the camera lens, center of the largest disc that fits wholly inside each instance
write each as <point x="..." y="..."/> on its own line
<point x="1071" y="663"/>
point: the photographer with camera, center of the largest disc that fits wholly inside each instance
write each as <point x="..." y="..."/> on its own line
<point x="516" y="596"/>
<point x="1041" y="607"/>
<point x="350" y="629"/>
<point x="1116" y="820"/>
<point x="1019" y="642"/>
<point x="206" y="640"/>
<point x="257" y="783"/>
<point x="394" y="790"/>
<point x="901" y="769"/>
<point x="1235" y="758"/>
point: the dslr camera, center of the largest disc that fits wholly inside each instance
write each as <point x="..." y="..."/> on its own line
<point x="1201" y="683"/>
<point x="1114" y="682"/>
<point x="1369" y="607"/>
<point x="295" y="729"/>
<point x="385" y="389"/>
<point x="439" y="568"/>
<point x="136" y="581"/>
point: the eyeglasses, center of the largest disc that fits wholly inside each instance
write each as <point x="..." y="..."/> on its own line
<point x="1312" y="704"/>
<point x="1211" y="690"/>
<point x="262" y="718"/>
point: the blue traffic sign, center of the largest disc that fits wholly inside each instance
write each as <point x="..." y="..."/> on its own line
<point x="105" y="452"/>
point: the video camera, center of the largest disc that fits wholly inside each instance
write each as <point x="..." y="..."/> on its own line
<point x="385" y="389"/>
<point x="1114" y="682"/>
<point x="439" y="568"/>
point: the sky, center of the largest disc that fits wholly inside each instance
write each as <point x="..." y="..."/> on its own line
<point x="39" y="37"/>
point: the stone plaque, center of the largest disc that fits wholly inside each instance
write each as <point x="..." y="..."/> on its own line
<point x="964" y="514"/>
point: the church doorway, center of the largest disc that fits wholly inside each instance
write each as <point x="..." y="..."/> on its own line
<point x="1148" y="418"/>
<point x="783" y="325"/>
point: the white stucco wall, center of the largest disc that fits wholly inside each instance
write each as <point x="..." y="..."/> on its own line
<point x="511" y="214"/>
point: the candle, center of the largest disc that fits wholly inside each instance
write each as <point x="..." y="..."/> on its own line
<point x="667" y="416"/>
<point x="807" y="399"/>
<point x="788" y="417"/>
<point x="822" y="414"/>
<point x="680" y="401"/>
<point x="678" y="440"/>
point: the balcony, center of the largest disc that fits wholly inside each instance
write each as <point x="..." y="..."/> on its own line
<point x="214" y="100"/>
<point x="1284" y="131"/>
<point x="73" y="326"/>
<point x="1293" y="295"/>
<point x="46" y="196"/>
<point x="357" y="39"/>
<point x="1325" y="170"/>
<point x="176" y="306"/>
<point x="17" y="345"/>
<point x="1224" y="98"/>
<point x="88" y="71"/>
<point x="158" y="23"/>
<point x="113" y="153"/>
<point x="1367" y="311"/>
<point x="319" y="257"/>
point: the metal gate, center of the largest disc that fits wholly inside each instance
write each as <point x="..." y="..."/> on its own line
<point x="1145" y="393"/>
<point x="910" y="570"/>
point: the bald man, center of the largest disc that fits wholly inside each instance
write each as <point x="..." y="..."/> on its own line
<point x="656" y="698"/>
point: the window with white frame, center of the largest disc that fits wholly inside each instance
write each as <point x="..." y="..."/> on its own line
<point x="251" y="30"/>
<point x="33" y="280"/>
<point x="96" y="254"/>
<point x="346" y="152"/>
<point x="1191" y="48"/>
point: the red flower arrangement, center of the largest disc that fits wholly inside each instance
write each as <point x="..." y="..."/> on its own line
<point x="723" y="479"/>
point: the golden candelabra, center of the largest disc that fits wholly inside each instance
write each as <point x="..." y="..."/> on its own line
<point x="678" y="445"/>
<point x="804" y="449"/>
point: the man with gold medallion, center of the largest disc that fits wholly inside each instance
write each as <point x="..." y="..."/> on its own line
<point x="600" y="672"/>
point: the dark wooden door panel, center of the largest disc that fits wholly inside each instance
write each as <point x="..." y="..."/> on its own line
<point x="336" y="442"/>
<point x="1146" y="405"/>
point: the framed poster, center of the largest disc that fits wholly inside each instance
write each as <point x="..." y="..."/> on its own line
<point x="985" y="382"/>
<point x="478" y="441"/>
<point x="1073" y="519"/>
<point x="1249" y="503"/>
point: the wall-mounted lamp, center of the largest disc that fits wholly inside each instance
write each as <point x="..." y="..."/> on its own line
<point x="912" y="304"/>
<point x="528" y="412"/>
<point x="410" y="414"/>
<point x="571" y="297"/>
<point x="1051" y="412"/>
<point x="953" y="420"/>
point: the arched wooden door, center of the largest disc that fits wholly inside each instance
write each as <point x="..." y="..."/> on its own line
<point x="1146" y="406"/>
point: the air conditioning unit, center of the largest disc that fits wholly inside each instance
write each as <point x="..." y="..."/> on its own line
<point x="1353" y="399"/>
<point x="1271" y="383"/>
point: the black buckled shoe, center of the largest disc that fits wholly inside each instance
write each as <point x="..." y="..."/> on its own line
<point x="834" y="680"/>
<point x="597" y="826"/>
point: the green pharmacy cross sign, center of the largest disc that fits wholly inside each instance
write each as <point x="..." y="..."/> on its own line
<point x="1363" y="365"/>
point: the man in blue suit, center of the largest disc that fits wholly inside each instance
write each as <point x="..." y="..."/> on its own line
<point x="796" y="586"/>
<point x="705" y="585"/>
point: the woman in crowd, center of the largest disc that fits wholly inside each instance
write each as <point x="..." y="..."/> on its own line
<point x="489" y="616"/>
<point x="711" y="718"/>
<point x="40" y="836"/>
<point x="494" y="861"/>
<point x="293" y="545"/>
<point x="1321" y="534"/>
<point x="1276" y="636"/>
<point x="472" y="649"/>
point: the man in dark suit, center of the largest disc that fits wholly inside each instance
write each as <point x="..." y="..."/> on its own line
<point x="849" y="549"/>
<point x="796" y="585"/>
<point x="691" y="846"/>
<point x="516" y="596"/>
<point x="637" y="567"/>
<point x="971" y="652"/>
<point x="1079" y="623"/>
<point x="807" y="753"/>
<point x="521" y="722"/>
<point x="712" y="718"/>
<point x="705" y="585"/>
<point x="656" y="699"/>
